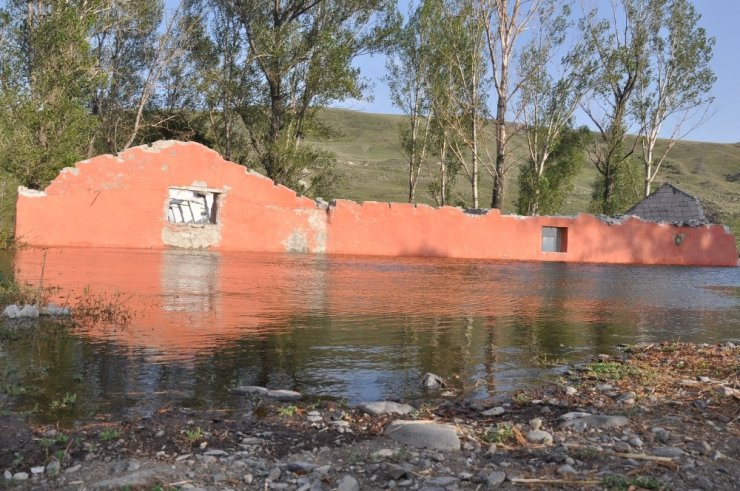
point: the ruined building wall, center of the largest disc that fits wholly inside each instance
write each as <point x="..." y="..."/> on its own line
<point x="123" y="201"/>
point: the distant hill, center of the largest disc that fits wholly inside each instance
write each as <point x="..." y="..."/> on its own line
<point x="374" y="168"/>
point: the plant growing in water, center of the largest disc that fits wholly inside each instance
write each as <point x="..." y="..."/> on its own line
<point x="65" y="402"/>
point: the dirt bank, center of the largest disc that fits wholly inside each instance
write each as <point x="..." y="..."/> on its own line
<point x="655" y="417"/>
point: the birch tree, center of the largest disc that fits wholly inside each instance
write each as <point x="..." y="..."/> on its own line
<point x="549" y="95"/>
<point x="409" y="67"/>
<point x="504" y="21"/>
<point x="674" y="95"/>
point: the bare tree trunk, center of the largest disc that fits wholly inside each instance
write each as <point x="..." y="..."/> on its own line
<point x="497" y="200"/>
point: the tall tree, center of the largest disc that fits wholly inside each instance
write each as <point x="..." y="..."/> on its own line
<point x="674" y="94"/>
<point x="409" y="68"/>
<point x="620" y="48"/>
<point x="459" y="82"/>
<point x="549" y="95"/>
<point x="504" y="22"/>
<point x="123" y="41"/>
<point x="302" y="52"/>
<point x="47" y="77"/>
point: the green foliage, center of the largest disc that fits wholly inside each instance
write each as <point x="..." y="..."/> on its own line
<point x="624" y="186"/>
<point x="502" y="433"/>
<point x="619" y="482"/>
<point x="109" y="434"/>
<point x="46" y="76"/>
<point x="289" y="410"/>
<point x="66" y="402"/>
<point x="546" y="193"/>
<point x="194" y="435"/>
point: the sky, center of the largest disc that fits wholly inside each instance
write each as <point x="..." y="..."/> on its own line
<point x="719" y="18"/>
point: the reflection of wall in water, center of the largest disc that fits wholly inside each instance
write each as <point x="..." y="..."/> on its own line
<point x="189" y="281"/>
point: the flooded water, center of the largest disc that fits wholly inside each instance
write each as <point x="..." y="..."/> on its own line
<point x="354" y="328"/>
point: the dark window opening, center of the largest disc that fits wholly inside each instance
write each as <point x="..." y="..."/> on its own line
<point x="554" y="239"/>
<point x="192" y="206"/>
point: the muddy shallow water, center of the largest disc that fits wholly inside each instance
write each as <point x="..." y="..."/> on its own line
<point x="354" y="328"/>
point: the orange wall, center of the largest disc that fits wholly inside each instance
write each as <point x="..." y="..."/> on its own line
<point x="120" y="202"/>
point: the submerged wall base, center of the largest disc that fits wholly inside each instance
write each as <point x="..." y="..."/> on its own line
<point x="128" y="201"/>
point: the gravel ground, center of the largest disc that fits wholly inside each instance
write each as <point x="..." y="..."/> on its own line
<point x="661" y="416"/>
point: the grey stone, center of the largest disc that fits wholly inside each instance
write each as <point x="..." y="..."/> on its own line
<point x="432" y="381"/>
<point x="595" y="421"/>
<point x="566" y="469"/>
<point x="622" y="447"/>
<point x="443" y="481"/>
<point x="284" y="395"/>
<point x="7" y="475"/>
<point x="274" y="474"/>
<point x="570" y="391"/>
<point x="386" y="407"/>
<point x="604" y="387"/>
<point x="636" y="442"/>
<point x="38" y="470"/>
<point x="301" y="467"/>
<point x="251" y="390"/>
<point x="25" y="312"/>
<point x="20" y="476"/>
<point x="425" y="434"/>
<point x="73" y="469"/>
<point x="539" y="436"/>
<point x="383" y="453"/>
<point x="494" y="411"/>
<point x="574" y="415"/>
<point x="348" y="483"/>
<point x="535" y="424"/>
<point x="662" y="435"/>
<point x="672" y="452"/>
<point x="216" y="453"/>
<point x="495" y="479"/>
<point x="136" y="479"/>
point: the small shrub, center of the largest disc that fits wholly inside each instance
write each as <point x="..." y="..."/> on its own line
<point x="110" y="434"/>
<point x="288" y="410"/>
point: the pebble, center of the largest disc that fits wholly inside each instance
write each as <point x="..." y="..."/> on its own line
<point x="566" y="469"/>
<point x="672" y="452"/>
<point x="284" y="395"/>
<point x="73" y="469"/>
<point x="386" y="407"/>
<point x="216" y="453"/>
<point x="383" y="453"/>
<point x="20" y="476"/>
<point x="636" y="442"/>
<point x="495" y="479"/>
<point x="7" y="475"/>
<point x="622" y="447"/>
<point x="535" y="424"/>
<point x="604" y="387"/>
<point x="348" y="483"/>
<point x="570" y="391"/>
<point x="424" y="434"/>
<point x="38" y="470"/>
<point x="539" y="436"/>
<point x="494" y="411"/>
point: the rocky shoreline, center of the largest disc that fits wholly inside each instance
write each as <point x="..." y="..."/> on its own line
<point x="657" y="416"/>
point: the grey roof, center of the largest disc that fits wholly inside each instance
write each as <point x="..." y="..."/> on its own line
<point x="669" y="204"/>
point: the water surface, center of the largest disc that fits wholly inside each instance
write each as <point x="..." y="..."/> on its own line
<point x="355" y="328"/>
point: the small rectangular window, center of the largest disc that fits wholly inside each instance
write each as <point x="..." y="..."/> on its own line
<point x="554" y="239"/>
<point x="192" y="206"/>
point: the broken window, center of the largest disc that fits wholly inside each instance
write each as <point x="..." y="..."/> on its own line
<point x="554" y="239"/>
<point x="197" y="206"/>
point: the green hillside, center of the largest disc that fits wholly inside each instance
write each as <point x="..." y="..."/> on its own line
<point x="374" y="168"/>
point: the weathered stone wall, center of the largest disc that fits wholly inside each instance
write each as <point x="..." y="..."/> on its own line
<point x="122" y="202"/>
